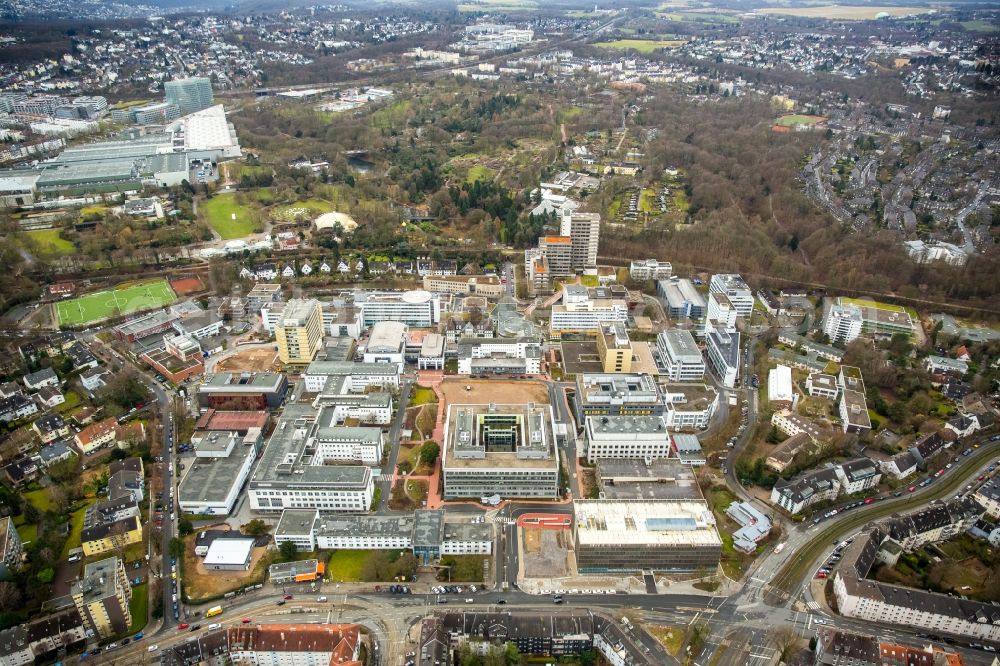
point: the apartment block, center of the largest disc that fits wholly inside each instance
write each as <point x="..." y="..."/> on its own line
<point x="650" y="269"/>
<point x="102" y="596"/>
<point x="299" y="332"/>
<point x="584" y="231"/>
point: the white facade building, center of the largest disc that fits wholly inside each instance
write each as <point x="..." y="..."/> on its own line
<point x="843" y="323"/>
<point x="626" y="437"/>
<point x="679" y="356"/>
<point x="417" y="308"/>
<point x="733" y="286"/>
<point x="650" y="269"/>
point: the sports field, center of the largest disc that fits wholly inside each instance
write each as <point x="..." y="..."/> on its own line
<point x="114" y="303"/>
<point x="798" y="119"/>
<point x="229" y="218"/>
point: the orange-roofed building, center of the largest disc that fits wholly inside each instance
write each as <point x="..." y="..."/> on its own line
<point x="97" y="435"/>
<point x="328" y="644"/>
<point x="906" y="655"/>
<point x="236" y="421"/>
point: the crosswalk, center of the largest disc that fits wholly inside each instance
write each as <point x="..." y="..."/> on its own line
<point x="384" y="477"/>
<point x="504" y="520"/>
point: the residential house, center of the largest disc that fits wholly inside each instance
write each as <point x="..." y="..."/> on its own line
<point x="50" y="397"/>
<point x="44" y="377"/>
<point x="96" y="435"/>
<point x="50" y="427"/>
<point x="804" y="491"/>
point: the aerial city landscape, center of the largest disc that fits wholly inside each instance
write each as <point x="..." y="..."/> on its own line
<point x="500" y="332"/>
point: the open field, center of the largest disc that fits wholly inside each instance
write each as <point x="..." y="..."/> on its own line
<point x="641" y="45"/>
<point x="478" y="172"/>
<point x="39" y="499"/>
<point x="228" y="218"/>
<point x="421" y="395"/>
<point x="202" y="584"/>
<point x="308" y="209"/>
<point x="798" y="119"/>
<point x="50" y="244"/>
<point x="698" y="17"/>
<point x="499" y="391"/>
<point x="498" y="6"/>
<point x="249" y="360"/>
<point x="120" y="301"/>
<point x="345" y="566"/>
<point x="844" y="13"/>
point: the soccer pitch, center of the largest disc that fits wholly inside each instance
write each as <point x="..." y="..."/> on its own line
<point x="106" y="304"/>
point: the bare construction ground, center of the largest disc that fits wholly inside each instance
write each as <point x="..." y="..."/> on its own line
<point x="249" y="360"/>
<point x="499" y="391"/>
<point x="546" y="552"/>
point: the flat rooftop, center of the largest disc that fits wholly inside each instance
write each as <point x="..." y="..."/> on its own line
<point x="640" y="523"/>
<point x="620" y="425"/>
<point x="282" y="464"/>
<point x="210" y="479"/>
<point x="226" y="551"/>
<point x="696" y="396"/>
<point x="499" y="436"/>
<point x="227" y="382"/>
<point x="341" y="525"/>
<point x="350" y="368"/>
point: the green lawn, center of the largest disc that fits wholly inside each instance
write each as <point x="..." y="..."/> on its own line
<point x="228" y="218"/>
<point x="39" y="499"/>
<point x="121" y="301"/>
<point x="478" y="172"/>
<point x="641" y="45"/>
<point x="346" y="565"/>
<point x="868" y="303"/>
<point x="50" y="244"/>
<point x="27" y="532"/>
<point x="798" y="119"/>
<point x="980" y="26"/>
<point x="139" y="607"/>
<point x="421" y="395"/>
<point x="76" y="528"/>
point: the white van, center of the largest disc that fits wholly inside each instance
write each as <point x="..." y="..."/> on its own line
<point x="321" y="599"/>
<point x="214" y="625"/>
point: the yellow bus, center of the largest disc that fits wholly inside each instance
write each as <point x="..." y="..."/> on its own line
<point x="213" y="611"/>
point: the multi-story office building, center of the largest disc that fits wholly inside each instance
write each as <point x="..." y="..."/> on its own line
<point x="360" y="377"/>
<point x="843" y="323"/>
<point x="723" y="350"/>
<point x="159" y="113"/>
<point x="343" y="443"/>
<point x="689" y="406"/>
<point x="241" y="392"/>
<point x="650" y="269"/>
<point x="417" y="308"/>
<point x="425" y="532"/>
<point x="681" y="299"/>
<point x="505" y="450"/>
<point x="617" y="395"/>
<point x="262" y="294"/>
<point x="293" y="471"/>
<point x="678" y="356"/>
<point x="619" y="437"/>
<point x="721" y="313"/>
<point x="733" y="286"/>
<point x="299" y="332"/>
<point x="503" y="356"/>
<point x="488" y="286"/>
<point x="190" y="95"/>
<point x="341" y="404"/>
<point x="221" y="467"/>
<point x="614" y="347"/>
<point x="584" y="231"/>
<point x="578" y="313"/>
<point x="102" y="597"/>
<point x="629" y="536"/>
<point x="386" y="343"/>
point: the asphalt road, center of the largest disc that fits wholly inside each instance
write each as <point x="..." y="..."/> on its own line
<point x="806" y="545"/>
<point x="385" y="481"/>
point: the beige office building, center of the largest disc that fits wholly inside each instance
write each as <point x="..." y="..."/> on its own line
<point x="299" y="333"/>
<point x="614" y="347"/>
